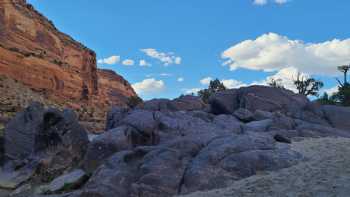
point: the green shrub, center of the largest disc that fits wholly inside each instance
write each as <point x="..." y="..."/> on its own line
<point x="214" y="86"/>
<point x="133" y="101"/>
<point x="343" y="95"/>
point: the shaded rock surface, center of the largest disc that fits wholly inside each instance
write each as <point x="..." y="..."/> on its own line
<point x="67" y="182"/>
<point x="42" y="144"/>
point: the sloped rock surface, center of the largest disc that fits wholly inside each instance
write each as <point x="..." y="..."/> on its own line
<point x="45" y="141"/>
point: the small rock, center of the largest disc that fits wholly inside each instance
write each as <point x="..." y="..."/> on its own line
<point x="24" y="189"/>
<point x="12" y="179"/>
<point x="68" y="181"/>
<point x="282" y="139"/>
<point x="244" y="115"/>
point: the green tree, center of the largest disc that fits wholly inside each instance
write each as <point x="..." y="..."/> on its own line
<point x="344" y="69"/>
<point x="307" y="86"/>
<point x="325" y="99"/>
<point x="343" y="95"/>
<point x="133" y="101"/>
<point x="214" y="86"/>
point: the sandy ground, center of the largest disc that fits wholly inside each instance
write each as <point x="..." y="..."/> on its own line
<point x="325" y="174"/>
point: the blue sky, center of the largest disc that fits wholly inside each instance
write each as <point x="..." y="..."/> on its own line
<point x="241" y="42"/>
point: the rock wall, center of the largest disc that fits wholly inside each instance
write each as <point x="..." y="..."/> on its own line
<point x="36" y="54"/>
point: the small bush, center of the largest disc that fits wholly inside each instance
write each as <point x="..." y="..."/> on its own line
<point x="214" y="86"/>
<point x="343" y="95"/>
<point x="134" y="101"/>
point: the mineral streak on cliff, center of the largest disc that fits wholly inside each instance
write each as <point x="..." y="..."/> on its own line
<point x="36" y="54"/>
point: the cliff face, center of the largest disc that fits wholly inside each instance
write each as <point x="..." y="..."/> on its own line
<point x="35" y="53"/>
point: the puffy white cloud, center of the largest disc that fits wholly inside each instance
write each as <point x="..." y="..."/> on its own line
<point x="285" y="77"/>
<point x="110" y="60"/>
<point x="165" y="58"/>
<point x="128" y="62"/>
<point x="180" y="79"/>
<point x="148" y="86"/>
<point x="260" y="2"/>
<point x="232" y="83"/>
<point x="206" y="80"/>
<point x="272" y="52"/>
<point x="144" y="63"/>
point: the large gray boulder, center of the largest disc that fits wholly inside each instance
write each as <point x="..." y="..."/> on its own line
<point x="225" y="160"/>
<point x="224" y="102"/>
<point x="115" y="116"/>
<point x="337" y="116"/>
<point x="257" y="98"/>
<point x="142" y="120"/>
<point x="112" y="141"/>
<point x="52" y="137"/>
<point x="183" y="103"/>
<point x="174" y="125"/>
<point x="144" y="171"/>
<point x="115" y="176"/>
<point x="228" y="122"/>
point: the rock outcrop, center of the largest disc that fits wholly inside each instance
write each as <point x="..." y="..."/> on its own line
<point x="36" y="54"/>
<point x="163" y="147"/>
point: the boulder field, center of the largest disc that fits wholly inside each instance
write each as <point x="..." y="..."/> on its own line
<point x="164" y="147"/>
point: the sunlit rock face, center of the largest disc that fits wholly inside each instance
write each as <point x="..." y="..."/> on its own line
<point x="36" y="54"/>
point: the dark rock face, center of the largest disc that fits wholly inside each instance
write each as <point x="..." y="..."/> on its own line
<point x="257" y="98"/>
<point x="20" y="133"/>
<point x="225" y="102"/>
<point x="49" y="137"/>
<point x="338" y="116"/>
<point x="114" y="117"/>
<point x="110" y="142"/>
<point x="183" y="103"/>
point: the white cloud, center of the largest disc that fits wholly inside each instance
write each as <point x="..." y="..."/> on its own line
<point x="285" y="77"/>
<point x="232" y="83"/>
<point x="206" y="80"/>
<point x="144" y="63"/>
<point x="110" y="60"/>
<point x="191" y="91"/>
<point x="128" y="62"/>
<point x="165" y="74"/>
<point x="148" y="86"/>
<point x="330" y="91"/>
<point x="178" y="60"/>
<point x="165" y="58"/>
<point x="180" y="79"/>
<point x="272" y="52"/>
<point x="264" y="2"/>
<point x="260" y="2"/>
<point x="281" y="1"/>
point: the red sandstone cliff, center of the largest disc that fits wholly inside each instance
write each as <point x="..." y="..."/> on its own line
<point x="35" y="53"/>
